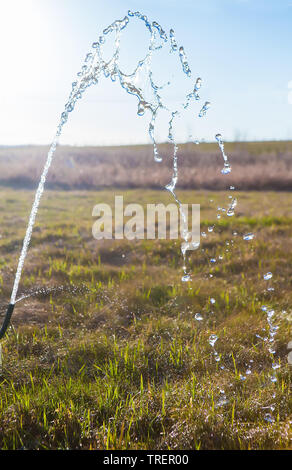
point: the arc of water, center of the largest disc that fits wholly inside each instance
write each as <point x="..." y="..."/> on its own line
<point x="94" y="65"/>
<point x="27" y="237"/>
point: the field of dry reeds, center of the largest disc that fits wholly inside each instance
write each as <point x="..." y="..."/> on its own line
<point x="255" y="166"/>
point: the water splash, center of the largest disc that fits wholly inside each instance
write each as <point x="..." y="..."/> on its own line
<point x="33" y="214"/>
<point x="94" y="67"/>
<point x="212" y="340"/>
<point x="227" y="168"/>
<point x="231" y="209"/>
<point x="272" y="329"/>
<point x="140" y="83"/>
<point x="46" y="291"/>
<point x="150" y="101"/>
<point x="222" y="399"/>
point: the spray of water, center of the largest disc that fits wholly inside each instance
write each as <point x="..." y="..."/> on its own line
<point x="141" y="84"/>
<point x="149" y="97"/>
<point x="47" y="291"/>
<point x="32" y="217"/>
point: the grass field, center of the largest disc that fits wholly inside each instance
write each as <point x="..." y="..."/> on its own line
<point x="255" y="166"/>
<point x="110" y="354"/>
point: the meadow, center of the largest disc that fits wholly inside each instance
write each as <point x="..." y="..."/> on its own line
<point x="255" y="166"/>
<point x="110" y="354"/>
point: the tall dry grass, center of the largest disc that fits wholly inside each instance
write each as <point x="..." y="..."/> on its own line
<point x="255" y="166"/>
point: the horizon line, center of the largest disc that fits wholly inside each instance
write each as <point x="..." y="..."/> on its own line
<point x="146" y="144"/>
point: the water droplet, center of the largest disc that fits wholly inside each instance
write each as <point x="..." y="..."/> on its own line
<point x="270" y="313"/>
<point x="184" y="61"/>
<point x="212" y="340"/>
<point x="216" y="356"/>
<point x="268" y="276"/>
<point x="173" y="42"/>
<point x="226" y="169"/>
<point x="248" y="236"/>
<point x="198" y="84"/>
<point x="64" y="118"/>
<point x="89" y="57"/>
<point x="161" y="32"/>
<point x="269" y="418"/>
<point x="141" y="108"/>
<point x="205" y="109"/>
<point x="198" y="317"/>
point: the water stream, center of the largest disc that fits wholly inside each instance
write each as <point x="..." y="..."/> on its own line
<point x="142" y="84"/>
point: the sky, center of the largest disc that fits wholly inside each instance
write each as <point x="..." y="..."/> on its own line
<point x="242" y="49"/>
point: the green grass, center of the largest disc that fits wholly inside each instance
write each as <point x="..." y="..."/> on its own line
<point x="116" y="359"/>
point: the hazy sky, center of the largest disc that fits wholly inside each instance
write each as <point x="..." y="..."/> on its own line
<point x="241" y="48"/>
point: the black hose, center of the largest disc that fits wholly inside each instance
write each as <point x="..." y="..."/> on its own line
<point x="7" y="319"/>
